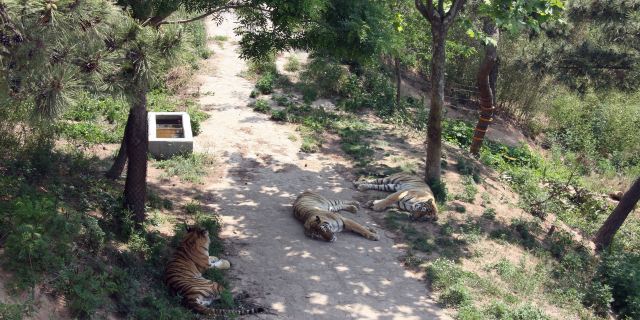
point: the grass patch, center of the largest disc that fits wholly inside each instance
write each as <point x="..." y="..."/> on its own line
<point x="293" y="64"/>
<point x="189" y="168"/>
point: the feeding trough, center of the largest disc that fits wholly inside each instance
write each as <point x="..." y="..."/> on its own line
<point x="169" y="134"/>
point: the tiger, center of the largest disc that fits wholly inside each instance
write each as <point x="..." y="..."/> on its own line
<point x="410" y="193"/>
<point x="183" y="275"/>
<point x="321" y="220"/>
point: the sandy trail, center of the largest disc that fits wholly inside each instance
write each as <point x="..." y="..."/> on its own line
<point x="262" y="171"/>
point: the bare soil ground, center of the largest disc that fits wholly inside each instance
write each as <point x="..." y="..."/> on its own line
<point x="260" y="173"/>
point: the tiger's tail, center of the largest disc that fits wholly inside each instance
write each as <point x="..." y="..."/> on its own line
<point x="236" y="311"/>
<point x="389" y="187"/>
<point x="223" y="312"/>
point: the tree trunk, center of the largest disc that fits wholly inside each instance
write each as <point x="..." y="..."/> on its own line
<point x="398" y="82"/>
<point x="121" y="159"/>
<point x="604" y="236"/>
<point x="135" y="188"/>
<point x="434" y="129"/>
<point x="486" y="92"/>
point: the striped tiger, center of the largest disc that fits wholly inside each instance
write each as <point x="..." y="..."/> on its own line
<point x="410" y="193"/>
<point x="321" y="220"/>
<point x="184" y="275"/>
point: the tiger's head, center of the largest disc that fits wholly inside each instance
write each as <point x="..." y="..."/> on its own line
<point x="425" y="210"/>
<point x="197" y="238"/>
<point x="320" y="229"/>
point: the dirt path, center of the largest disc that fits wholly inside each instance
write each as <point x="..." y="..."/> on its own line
<point x="262" y="172"/>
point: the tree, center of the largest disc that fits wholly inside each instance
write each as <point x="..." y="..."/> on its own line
<point x="604" y="236"/>
<point x="440" y="22"/>
<point x="512" y="16"/>
<point x="486" y="91"/>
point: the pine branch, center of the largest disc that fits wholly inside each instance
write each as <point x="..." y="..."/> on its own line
<point x="210" y="12"/>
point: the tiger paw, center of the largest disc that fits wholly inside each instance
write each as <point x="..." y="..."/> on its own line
<point x="368" y="204"/>
<point x="374" y="234"/>
<point x="351" y="208"/>
<point x="378" y="205"/>
<point x="219" y="263"/>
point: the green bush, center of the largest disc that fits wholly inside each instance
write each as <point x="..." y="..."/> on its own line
<point x="262" y="106"/>
<point x="489" y="214"/>
<point x="38" y="237"/>
<point x="440" y="191"/>
<point x="601" y="127"/>
<point x="11" y="311"/>
<point x="196" y="117"/>
<point x="266" y="82"/>
<point x="263" y="66"/>
<point x="455" y="296"/>
<point x="620" y="270"/>
<point x="279" y="115"/>
<point x="326" y="75"/>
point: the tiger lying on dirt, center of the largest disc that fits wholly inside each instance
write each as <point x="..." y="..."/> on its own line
<point x="410" y="193"/>
<point x="184" y="275"/>
<point x="321" y="220"/>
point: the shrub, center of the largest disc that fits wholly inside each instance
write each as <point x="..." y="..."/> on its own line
<point x="455" y="296"/>
<point x="439" y="190"/>
<point x="279" y="115"/>
<point x="489" y="214"/>
<point x="621" y="271"/>
<point x="262" y="106"/>
<point x="263" y="66"/>
<point x="196" y="116"/>
<point x="266" y="82"/>
<point x="11" y="311"/>
<point x="327" y="75"/>
<point x="37" y="237"/>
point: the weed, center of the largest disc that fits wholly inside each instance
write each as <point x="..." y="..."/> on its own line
<point x="266" y="82"/>
<point x="455" y="296"/>
<point x="190" y="168"/>
<point x="293" y="64"/>
<point x="280" y="115"/>
<point x="459" y="208"/>
<point x="11" y="311"/>
<point x="439" y="189"/>
<point x="489" y="214"/>
<point x="262" y="106"/>
<point x="292" y="137"/>
<point x="469" y="190"/>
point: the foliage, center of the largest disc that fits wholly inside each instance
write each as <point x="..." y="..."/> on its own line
<point x="266" y="82"/>
<point x="52" y="239"/>
<point x="619" y="271"/>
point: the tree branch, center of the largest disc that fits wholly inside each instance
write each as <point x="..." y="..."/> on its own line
<point x="204" y="15"/>
<point x="455" y="8"/>
<point x="441" y="8"/>
<point x="426" y="11"/>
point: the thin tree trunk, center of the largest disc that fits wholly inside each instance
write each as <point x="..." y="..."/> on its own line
<point x="434" y="129"/>
<point x="135" y="188"/>
<point x="604" y="236"/>
<point x="121" y="159"/>
<point x="398" y="81"/>
<point x="486" y="92"/>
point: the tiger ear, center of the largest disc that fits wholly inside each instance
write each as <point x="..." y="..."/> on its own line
<point x="188" y="228"/>
<point x="318" y="219"/>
